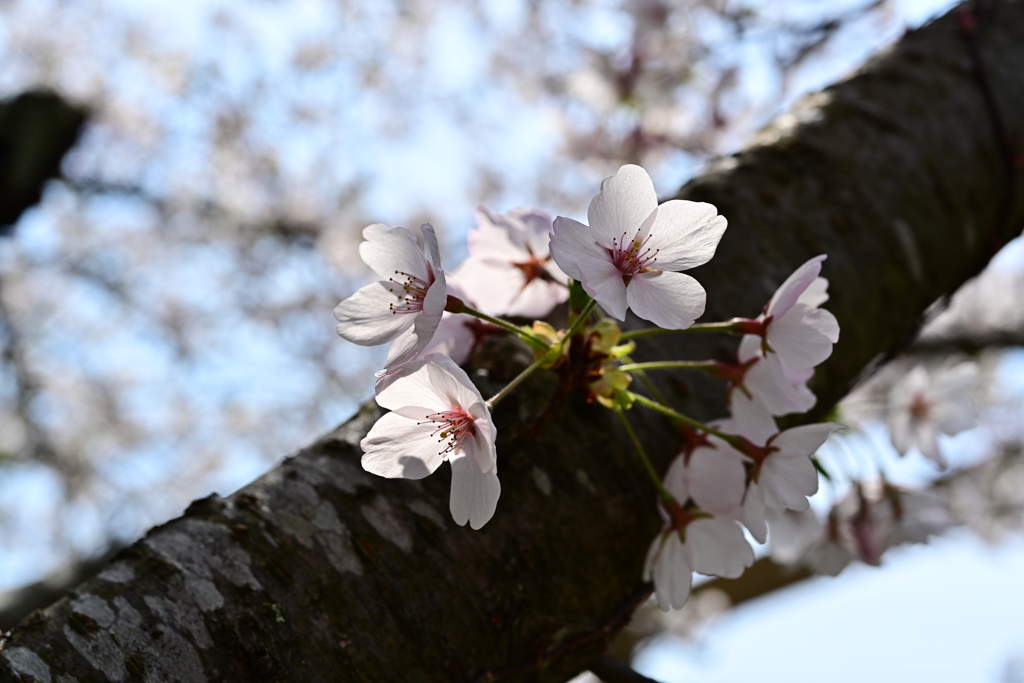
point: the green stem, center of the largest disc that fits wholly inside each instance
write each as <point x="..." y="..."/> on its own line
<point x="646" y="381"/>
<point x="502" y="324"/>
<point x="696" y="424"/>
<point x="493" y="400"/>
<point x="662" y="491"/>
<point x="668" y="365"/>
<point x="580" y="319"/>
<point x="699" y="327"/>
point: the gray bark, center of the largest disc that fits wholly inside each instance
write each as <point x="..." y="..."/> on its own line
<point x="321" y="572"/>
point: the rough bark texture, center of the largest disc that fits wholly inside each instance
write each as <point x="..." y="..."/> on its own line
<point x="36" y="130"/>
<point x="321" y="572"/>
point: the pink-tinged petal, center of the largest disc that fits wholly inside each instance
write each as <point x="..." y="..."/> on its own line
<point x="536" y="299"/>
<point x="474" y="494"/>
<point x="901" y="430"/>
<point x="750" y="346"/>
<point x="816" y="293"/>
<point x="675" y="480"/>
<point x="603" y="281"/>
<point x="668" y="567"/>
<point x="767" y="382"/>
<point x="453" y="338"/>
<point x="571" y="241"/>
<point x="387" y="250"/>
<point x="497" y="239"/>
<point x="686" y="234"/>
<point x="954" y="382"/>
<point x="494" y="286"/>
<point x="786" y="480"/>
<point x="805" y="439"/>
<point x="719" y="547"/>
<point x="625" y="202"/>
<point x="753" y="513"/>
<point x="410" y="385"/>
<point x="669" y="300"/>
<point x="750" y="418"/>
<point x="365" y="318"/>
<point x="432" y="250"/>
<point x="953" y="415"/>
<point x="398" y="446"/>
<point x="717" y="478"/>
<point x="451" y="382"/>
<point x="928" y="444"/>
<point x="794" y="286"/>
<point x="407" y="346"/>
<point x="536" y="230"/>
<point x="803" y="337"/>
<point x="484" y="439"/>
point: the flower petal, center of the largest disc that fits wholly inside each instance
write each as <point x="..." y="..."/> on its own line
<point x="787" y="479"/>
<point x="805" y="439"/>
<point x="365" y="318"/>
<point x="625" y="201"/>
<point x="752" y="515"/>
<point x="717" y="478"/>
<point x="399" y="446"/>
<point x="571" y="241"/>
<point x="794" y="286"/>
<point x="452" y="382"/>
<point x="387" y="250"/>
<point x="686" y="234"/>
<point x="410" y="385"/>
<point x="409" y="345"/>
<point x="803" y="337"/>
<point x="603" y="281"/>
<point x="719" y="547"/>
<point x="669" y="300"/>
<point x="433" y="252"/>
<point x="668" y="567"/>
<point x="474" y="494"/>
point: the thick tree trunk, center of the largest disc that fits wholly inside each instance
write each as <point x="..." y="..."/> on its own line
<point x="321" y="572"/>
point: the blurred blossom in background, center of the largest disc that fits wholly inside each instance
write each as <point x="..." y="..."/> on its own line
<point x="165" y="311"/>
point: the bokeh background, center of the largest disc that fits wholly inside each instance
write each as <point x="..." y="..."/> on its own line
<point x="165" y="310"/>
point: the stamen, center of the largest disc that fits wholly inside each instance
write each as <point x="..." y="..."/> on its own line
<point x="410" y="293"/>
<point x="637" y="258"/>
<point x="453" y="426"/>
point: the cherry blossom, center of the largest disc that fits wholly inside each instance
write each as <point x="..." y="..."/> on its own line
<point x="780" y="389"/>
<point x="713" y="545"/>
<point x="628" y="256"/>
<point x="796" y="328"/>
<point x="692" y="540"/>
<point x="713" y="473"/>
<point x="404" y="307"/>
<point x="921" y="406"/>
<point x="436" y="415"/>
<point x="783" y="475"/>
<point x="509" y="269"/>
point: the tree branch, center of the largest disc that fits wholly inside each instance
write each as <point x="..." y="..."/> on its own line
<point x="319" y="571"/>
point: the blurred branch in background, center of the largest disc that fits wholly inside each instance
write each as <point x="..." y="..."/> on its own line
<point x="36" y="130"/>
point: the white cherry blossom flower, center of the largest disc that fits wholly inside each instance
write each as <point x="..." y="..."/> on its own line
<point x="509" y="270"/>
<point x="436" y="415"/>
<point x="921" y="406"/>
<point x="404" y="307"/>
<point x="780" y="389"/>
<point x="629" y="255"/>
<point x="801" y="333"/>
<point x="692" y="541"/>
<point x="784" y="476"/>
<point x="713" y="474"/>
<point x="714" y="546"/>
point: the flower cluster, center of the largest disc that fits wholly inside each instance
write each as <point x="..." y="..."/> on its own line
<point x="732" y="474"/>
